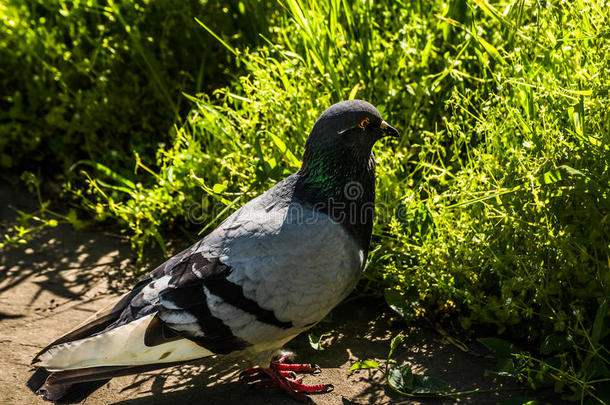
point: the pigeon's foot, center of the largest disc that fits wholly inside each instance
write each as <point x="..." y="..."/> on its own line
<point x="283" y="375"/>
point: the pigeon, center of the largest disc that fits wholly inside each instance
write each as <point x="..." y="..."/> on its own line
<point x="270" y="271"/>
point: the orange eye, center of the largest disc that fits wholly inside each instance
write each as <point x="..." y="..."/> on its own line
<point x="364" y="123"/>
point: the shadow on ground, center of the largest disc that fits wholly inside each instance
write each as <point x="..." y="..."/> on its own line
<point x="359" y="330"/>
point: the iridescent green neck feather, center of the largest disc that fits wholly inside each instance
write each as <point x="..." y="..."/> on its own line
<point x="341" y="184"/>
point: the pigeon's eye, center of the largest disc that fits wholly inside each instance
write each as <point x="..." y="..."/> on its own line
<point x="364" y="123"/>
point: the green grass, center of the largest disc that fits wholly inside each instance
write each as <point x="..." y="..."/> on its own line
<point x="100" y="80"/>
<point x="493" y="209"/>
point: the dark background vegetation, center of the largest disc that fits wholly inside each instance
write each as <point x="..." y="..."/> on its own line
<point x="494" y="218"/>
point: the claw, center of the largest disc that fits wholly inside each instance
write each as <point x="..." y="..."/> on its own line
<point x="288" y="374"/>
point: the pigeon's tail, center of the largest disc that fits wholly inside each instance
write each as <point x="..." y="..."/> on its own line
<point x="81" y="361"/>
<point x="62" y="393"/>
<point x="70" y="371"/>
<point x="41" y="382"/>
<point x="73" y="386"/>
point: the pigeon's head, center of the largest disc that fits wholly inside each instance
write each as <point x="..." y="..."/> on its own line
<point x="350" y="128"/>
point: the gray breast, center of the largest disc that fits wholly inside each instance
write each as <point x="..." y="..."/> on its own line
<point x="289" y="259"/>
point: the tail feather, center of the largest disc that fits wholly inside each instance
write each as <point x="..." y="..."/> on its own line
<point x="73" y="386"/>
<point x="97" y="373"/>
<point x="38" y="379"/>
<point x="98" y="322"/>
<point x="90" y="328"/>
<point x="121" y="346"/>
<point x="62" y="393"/>
<point x="84" y="359"/>
<point x="76" y="391"/>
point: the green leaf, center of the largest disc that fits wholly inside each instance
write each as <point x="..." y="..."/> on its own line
<point x="364" y="364"/>
<point x="122" y="189"/>
<point x="599" y="321"/>
<point x="219" y="188"/>
<point x="212" y="33"/>
<point x="160" y="242"/>
<point x="499" y="348"/>
<point x="397" y="340"/>
<point x="73" y="219"/>
<point x="315" y="341"/>
<point x="281" y="145"/>
<point x="401" y="378"/>
<point x="503" y="351"/>
<point x="423" y="384"/>
<point x="506" y="367"/>
<point x="490" y="49"/>
<point x="556" y="342"/>
<point x="398" y="304"/>
<point x="352" y="93"/>
<point x="105" y="170"/>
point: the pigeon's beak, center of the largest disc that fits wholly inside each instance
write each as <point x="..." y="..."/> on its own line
<point x="389" y="130"/>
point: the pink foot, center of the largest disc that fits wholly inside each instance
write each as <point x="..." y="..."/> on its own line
<point x="280" y="364"/>
<point x="282" y="375"/>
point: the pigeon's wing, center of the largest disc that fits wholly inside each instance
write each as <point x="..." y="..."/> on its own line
<point x="165" y="319"/>
<point x="287" y="267"/>
<point x="100" y="320"/>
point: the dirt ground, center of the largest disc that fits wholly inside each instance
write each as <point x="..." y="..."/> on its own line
<point x="63" y="276"/>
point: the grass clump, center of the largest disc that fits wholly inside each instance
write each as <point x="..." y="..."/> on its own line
<point x="89" y="80"/>
<point x="249" y="141"/>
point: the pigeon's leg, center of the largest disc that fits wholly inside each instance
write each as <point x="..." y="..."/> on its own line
<point x="282" y="375"/>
